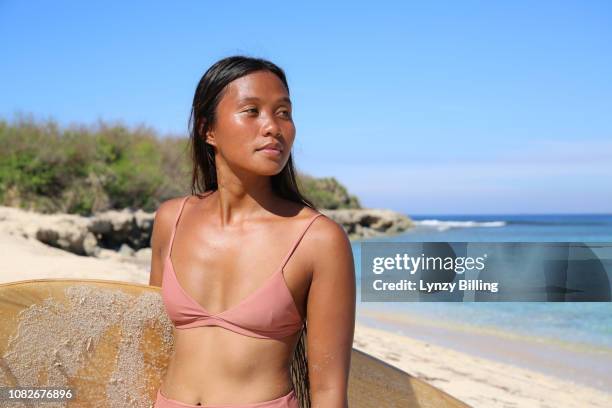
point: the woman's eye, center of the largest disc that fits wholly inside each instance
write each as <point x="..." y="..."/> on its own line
<point x="251" y="110"/>
<point x="286" y="113"/>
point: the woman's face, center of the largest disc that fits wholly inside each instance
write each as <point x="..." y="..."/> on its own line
<point x="255" y="111"/>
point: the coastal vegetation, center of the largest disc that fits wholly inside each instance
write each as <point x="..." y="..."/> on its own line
<point x="83" y="169"/>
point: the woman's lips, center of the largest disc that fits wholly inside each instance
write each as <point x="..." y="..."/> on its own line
<point x="270" y="151"/>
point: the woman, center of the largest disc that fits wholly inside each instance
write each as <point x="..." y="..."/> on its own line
<point x="246" y="260"/>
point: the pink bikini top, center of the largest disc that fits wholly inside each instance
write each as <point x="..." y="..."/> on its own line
<point x="269" y="312"/>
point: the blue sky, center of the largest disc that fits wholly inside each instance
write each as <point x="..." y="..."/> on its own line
<point x="470" y="107"/>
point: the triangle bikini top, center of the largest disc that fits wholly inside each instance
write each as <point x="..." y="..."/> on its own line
<point x="269" y="312"/>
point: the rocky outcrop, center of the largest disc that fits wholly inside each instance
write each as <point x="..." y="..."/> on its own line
<point x="116" y="228"/>
<point x="327" y="192"/>
<point x="127" y="233"/>
<point x="107" y="234"/>
<point x="368" y="222"/>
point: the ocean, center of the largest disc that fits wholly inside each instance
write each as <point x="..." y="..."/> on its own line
<point x="579" y="324"/>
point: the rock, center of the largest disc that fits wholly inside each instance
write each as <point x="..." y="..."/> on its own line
<point x="90" y="245"/>
<point x="144" y="220"/>
<point x="126" y="250"/>
<point x="114" y="228"/>
<point x="327" y="192"/>
<point x="369" y="222"/>
<point x="68" y="232"/>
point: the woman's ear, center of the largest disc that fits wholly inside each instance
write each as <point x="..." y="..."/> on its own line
<point x="210" y="137"/>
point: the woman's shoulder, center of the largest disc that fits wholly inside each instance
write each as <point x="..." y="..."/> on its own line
<point x="173" y="205"/>
<point x="323" y="227"/>
<point x="165" y="217"/>
<point x="169" y="208"/>
<point x="168" y="212"/>
<point x="327" y="242"/>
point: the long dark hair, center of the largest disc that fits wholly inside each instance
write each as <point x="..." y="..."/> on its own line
<point x="207" y="96"/>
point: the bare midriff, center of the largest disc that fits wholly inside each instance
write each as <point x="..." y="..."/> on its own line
<point x="211" y="366"/>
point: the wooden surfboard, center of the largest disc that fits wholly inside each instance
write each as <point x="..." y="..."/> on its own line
<point x="110" y="342"/>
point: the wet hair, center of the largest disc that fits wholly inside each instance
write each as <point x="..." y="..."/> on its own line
<point x="208" y="94"/>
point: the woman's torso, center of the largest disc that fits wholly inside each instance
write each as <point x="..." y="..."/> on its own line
<point x="218" y="268"/>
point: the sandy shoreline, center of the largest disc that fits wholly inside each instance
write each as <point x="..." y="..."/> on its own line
<point x="474" y="380"/>
<point x="585" y="365"/>
<point x="468" y="376"/>
<point x="24" y="259"/>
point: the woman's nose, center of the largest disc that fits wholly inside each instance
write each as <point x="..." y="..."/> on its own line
<point x="271" y="126"/>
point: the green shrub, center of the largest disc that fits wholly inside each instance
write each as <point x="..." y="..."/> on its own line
<point x="84" y="169"/>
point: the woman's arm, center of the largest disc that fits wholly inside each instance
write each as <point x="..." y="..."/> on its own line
<point x="330" y="316"/>
<point x="160" y="238"/>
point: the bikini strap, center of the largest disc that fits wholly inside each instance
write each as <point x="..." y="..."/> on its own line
<point x="298" y="240"/>
<point x="176" y="220"/>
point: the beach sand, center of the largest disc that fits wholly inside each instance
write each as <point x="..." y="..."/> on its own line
<point x="478" y="381"/>
<point x="24" y="258"/>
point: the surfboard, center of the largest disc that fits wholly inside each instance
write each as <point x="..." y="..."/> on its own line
<point x="109" y="343"/>
<point x="374" y="383"/>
